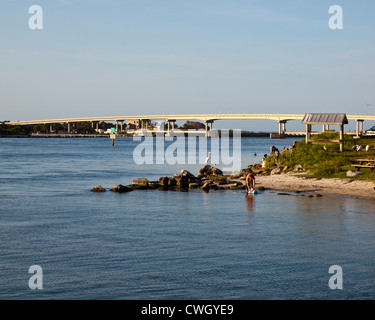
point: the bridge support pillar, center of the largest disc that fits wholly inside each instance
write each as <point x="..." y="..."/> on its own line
<point x="169" y="125"/>
<point x="51" y="128"/>
<point x="68" y="127"/>
<point x="208" y="127"/>
<point x="359" y="127"/>
<point x="282" y="127"/>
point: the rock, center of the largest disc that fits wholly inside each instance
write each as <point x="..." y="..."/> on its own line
<point x="351" y="173"/>
<point x="139" y="186"/>
<point x="193" y="185"/>
<point x="172" y="182"/>
<point x="298" y="167"/>
<point x="167" y="181"/>
<point x="187" y="174"/>
<point x="163" y="181"/>
<point x="204" y="170"/>
<point x="120" y="189"/>
<point x="208" y="171"/>
<point x="235" y="175"/>
<point x="205" y="187"/>
<point x="154" y="185"/>
<point x="98" y="189"/>
<point x="215" y="172"/>
<point x="182" y="183"/>
<point x="276" y="171"/>
<point x="140" y="181"/>
<point x="261" y="188"/>
<point x="220" y="181"/>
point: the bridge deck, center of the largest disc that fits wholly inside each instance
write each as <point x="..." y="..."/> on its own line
<point x="202" y="117"/>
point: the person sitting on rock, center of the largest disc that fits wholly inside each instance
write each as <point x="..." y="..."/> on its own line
<point x="250" y="182"/>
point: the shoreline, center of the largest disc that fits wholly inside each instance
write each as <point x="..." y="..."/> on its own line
<point x="329" y="186"/>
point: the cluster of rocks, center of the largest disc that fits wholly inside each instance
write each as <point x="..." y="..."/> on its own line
<point x="208" y="178"/>
<point x="259" y="170"/>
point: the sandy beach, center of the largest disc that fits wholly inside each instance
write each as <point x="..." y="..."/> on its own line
<point x="295" y="183"/>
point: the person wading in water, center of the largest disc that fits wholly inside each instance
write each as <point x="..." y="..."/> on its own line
<point x="250" y="182"/>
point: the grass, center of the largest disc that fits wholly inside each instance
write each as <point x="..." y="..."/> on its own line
<point x="327" y="164"/>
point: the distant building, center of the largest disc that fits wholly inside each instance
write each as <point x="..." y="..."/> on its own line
<point x="137" y="124"/>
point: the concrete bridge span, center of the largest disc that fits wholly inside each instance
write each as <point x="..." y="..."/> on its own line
<point x="208" y="119"/>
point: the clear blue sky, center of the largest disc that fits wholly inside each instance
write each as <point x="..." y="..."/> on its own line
<point x="112" y="57"/>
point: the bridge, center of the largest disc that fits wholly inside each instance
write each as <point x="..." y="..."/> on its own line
<point x="208" y="119"/>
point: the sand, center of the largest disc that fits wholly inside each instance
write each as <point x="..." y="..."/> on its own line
<point x="296" y="183"/>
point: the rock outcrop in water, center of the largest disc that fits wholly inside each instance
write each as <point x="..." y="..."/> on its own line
<point x="98" y="189"/>
<point x="121" y="189"/>
<point x="209" y="178"/>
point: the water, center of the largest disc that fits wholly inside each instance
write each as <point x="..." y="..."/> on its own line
<point x="164" y="244"/>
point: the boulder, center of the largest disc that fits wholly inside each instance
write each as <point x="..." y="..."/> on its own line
<point x="167" y="181"/>
<point x="276" y="171"/>
<point x="98" y="189"/>
<point x="206" y="186"/>
<point x="193" y="185"/>
<point x="208" y="171"/>
<point x="154" y="185"/>
<point x="140" y="181"/>
<point x="163" y="181"/>
<point x="187" y="174"/>
<point x="139" y="186"/>
<point x="120" y="189"/>
<point x="172" y="182"/>
<point x="182" y="182"/>
<point x="235" y="175"/>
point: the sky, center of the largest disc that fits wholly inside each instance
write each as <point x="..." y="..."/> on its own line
<point x="143" y="57"/>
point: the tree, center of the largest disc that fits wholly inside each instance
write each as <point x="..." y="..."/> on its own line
<point x="193" y="125"/>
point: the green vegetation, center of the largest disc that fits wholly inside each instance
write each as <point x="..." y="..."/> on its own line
<point x="78" y="127"/>
<point x="7" y="130"/>
<point x="328" y="163"/>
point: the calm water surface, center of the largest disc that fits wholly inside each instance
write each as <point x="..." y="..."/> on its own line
<point x="168" y="245"/>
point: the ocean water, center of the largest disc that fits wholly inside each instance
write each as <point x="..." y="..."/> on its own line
<point x="154" y="244"/>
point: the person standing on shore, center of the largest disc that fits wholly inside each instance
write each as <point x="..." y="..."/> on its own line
<point x="250" y="182"/>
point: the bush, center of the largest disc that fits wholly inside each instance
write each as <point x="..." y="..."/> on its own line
<point x="311" y="157"/>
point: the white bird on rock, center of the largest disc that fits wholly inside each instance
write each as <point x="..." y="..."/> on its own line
<point x="208" y="158"/>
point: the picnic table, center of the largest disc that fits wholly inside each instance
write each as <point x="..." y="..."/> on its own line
<point x="365" y="163"/>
